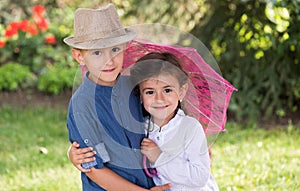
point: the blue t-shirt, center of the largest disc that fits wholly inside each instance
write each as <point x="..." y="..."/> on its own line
<point x="110" y="120"/>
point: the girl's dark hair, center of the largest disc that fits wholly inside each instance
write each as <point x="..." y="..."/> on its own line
<point x="152" y="65"/>
<point x="156" y="63"/>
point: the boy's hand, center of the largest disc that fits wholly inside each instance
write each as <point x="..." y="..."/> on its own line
<point x="150" y="149"/>
<point x="161" y="188"/>
<point x="80" y="155"/>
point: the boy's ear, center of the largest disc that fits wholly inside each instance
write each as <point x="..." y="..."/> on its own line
<point x="77" y="55"/>
<point x="183" y="91"/>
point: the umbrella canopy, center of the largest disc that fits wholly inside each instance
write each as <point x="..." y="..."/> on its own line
<point x="209" y="93"/>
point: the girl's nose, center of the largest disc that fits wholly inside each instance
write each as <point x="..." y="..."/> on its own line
<point x="159" y="96"/>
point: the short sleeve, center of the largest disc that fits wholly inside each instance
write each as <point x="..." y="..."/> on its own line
<point x="74" y="135"/>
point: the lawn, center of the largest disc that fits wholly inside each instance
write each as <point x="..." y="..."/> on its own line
<point x="34" y="143"/>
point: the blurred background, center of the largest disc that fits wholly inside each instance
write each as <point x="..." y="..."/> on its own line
<point x="255" y="43"/>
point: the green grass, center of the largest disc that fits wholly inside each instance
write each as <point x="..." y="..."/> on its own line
<point x="244" y="158"/>
<point x="256" y="159"/>
<point x="24" y="132"/>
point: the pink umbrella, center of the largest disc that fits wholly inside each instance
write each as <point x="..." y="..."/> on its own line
<point x="209" y="95"/>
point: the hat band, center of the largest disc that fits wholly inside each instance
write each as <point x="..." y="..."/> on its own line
<point x="99" y="35"/>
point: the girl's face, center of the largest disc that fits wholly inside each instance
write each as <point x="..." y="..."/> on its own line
<point x="104" y="64"/>
<point x="160" y="96"/>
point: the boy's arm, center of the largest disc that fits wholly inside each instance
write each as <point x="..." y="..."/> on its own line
<point x="111" y="181"/>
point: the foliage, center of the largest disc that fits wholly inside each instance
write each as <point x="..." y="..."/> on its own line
<point x="34" y="144"/>
<point x="12" y="75"/>
<point x="31" y="43"/>
<point x="56" y="79"/>
<point x="22" y="39"/>
<point x="256" y="45"/>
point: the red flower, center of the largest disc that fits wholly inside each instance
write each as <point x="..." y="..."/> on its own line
<point x="10" y="33"/>
<point x="43" y="25"/>
<point x="2" y="43"/>
<point x="32" y="29"/>
<point x="38" y="9"/>
<point x="24" y="25"/>
<point x="11" y="29"/>
<point x="40" y="22"/>
<point x="14" y="25"/>
<point x="50" y="39"/>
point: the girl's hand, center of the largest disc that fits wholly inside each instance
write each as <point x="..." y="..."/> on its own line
<point x="80" y="155"/>
<point x="150" y="149"/>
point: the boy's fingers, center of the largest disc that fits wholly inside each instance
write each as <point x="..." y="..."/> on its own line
<point x="83" y="150"/>
<point x="79" y="167"/>
<point x="75" y="144"/>
<point x="86" y="160"/>
<point x="89" y="154"/>
<point x="161" y="188"/>
<point x="166" y="186"/>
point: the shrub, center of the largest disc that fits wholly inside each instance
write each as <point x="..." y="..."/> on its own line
<point x="33" y="44"/>
<point x="56" y="79"/>
<point x="21" y="40"/>
<point x="13" y="75"/>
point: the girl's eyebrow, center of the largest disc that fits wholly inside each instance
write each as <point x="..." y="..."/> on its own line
<point x="144" y="89"/>
<point x="150" y="88"/>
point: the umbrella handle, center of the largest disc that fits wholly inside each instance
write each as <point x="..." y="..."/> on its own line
<point x="153" y="171"/>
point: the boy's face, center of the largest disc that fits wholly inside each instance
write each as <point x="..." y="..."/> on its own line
<point x="104" y="64"/>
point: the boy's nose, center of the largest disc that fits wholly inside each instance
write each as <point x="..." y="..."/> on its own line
<point x="108" y="58"/>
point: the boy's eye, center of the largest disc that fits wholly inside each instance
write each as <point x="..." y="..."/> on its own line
<point x="168" y="90"/>
<point x="116" y="49"/>
<point x="97" y="52"/>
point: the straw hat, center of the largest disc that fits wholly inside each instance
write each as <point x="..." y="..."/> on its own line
<point x="98" y="28"/>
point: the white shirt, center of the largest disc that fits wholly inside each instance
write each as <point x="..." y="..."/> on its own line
<point x="184" y="161"/>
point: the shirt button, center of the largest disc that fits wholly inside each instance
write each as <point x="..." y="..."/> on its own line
<point x="86" y="141"/>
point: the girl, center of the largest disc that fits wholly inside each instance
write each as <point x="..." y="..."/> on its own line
<point x="177" y="146"/>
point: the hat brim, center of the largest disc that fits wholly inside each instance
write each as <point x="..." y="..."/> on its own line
<point x="129" y="35"/>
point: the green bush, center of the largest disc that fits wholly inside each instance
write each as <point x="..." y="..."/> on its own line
<point x="13" y="75"/>
<point x="35" y="43"/>
<point x="257" y="45"/>
<point x="56" y="79"/>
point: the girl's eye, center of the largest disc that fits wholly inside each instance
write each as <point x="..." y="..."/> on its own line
<point x="149" y="92"/>
<point x="97" y="52"/>
<point x="116" y="49"/>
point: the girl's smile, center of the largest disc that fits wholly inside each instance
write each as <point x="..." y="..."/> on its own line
<point x="160" y="96"/>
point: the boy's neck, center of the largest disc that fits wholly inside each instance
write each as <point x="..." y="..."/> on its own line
<point x="101" y="82"/>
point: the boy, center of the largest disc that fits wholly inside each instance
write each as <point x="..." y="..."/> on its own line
<point x="99" y="113"/>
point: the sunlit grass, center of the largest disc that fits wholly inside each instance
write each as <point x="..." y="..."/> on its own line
<point x="34" y="143"/>
<point x="33" y="151"/>
<point x="256" y="159"/>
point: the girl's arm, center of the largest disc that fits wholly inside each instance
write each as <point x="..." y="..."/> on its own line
<point x="192" y="166"/>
